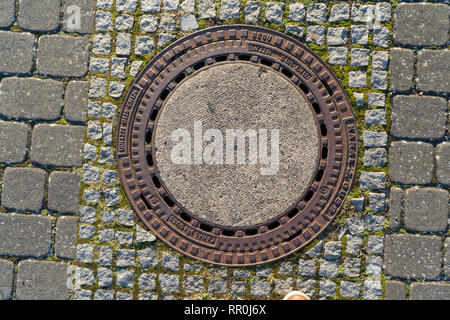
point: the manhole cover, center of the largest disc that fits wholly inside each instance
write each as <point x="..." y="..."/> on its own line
<point x="237" y="145"/>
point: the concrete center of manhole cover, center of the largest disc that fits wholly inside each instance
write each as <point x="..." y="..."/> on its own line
<point x="237" y="145"/>
<point x="198" y="126"/>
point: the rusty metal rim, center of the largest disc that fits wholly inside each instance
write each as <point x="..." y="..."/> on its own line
<point x="162" y="215"/>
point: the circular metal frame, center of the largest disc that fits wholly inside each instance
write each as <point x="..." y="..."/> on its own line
<point x="289" y="230"/>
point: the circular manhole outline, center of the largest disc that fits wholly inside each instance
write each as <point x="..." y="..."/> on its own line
<point x="289" y="230"/>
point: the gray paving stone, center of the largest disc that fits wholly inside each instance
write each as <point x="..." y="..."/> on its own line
<point x="380" y="60"/>
<point x="355" y="225"/>
<point x="31" y="98"/>
<point x="25" y="235"/>
<point x="377" y="202"/>
<point x="105" y="256"/>
<point x="75" y="101"/>
<point x="6" y="279"/>
<point x="327" y="288"/>
<point x="376" y="157"/>
<point x="375" y="117"/>
<point x="352" y="267"/>
<point x="7" y="13"/>
<point x="86" y="232"/>
<point x="150" y="5"/>
<point x="421" y="24"/>
<point x="187" y="6"/>
<point x="143" y="236"/>
<point x="329" y="269"/>
<point x="360" y="34"/>
<point x="86" y="24"/>
<point x="188" y="22"/>
<point x="99" y="65"/>
<point x="315" y="251"/>
<point x="91" y="196"/>
<point x="372" y="290"/>
<point x="124" y="22"/>
<point x="63" y="56"/>
<point x="121" y="295"/>
<point x="306" y="267"/>
<point x="103" y="21"/>
<point x="170" y="262"/>
<point x="260" y="289"/>
<point x="357" y="79"/>
<point x="381" y="37"/>
<point x="125" y="278"/>
<point x="105" y="235"/>
<point x="85" y="253"/>
<point x="66" y="237"/>
<point x="274" y="12"/>
<point x="401" y="69"/>
<point x="357" y="203"/>
<point x="115" y="90"/>
<point x="164" y="39"/>
<point x="373" y="139"/>
<point x="286" y="268"/>
<point x="87" y="214"/>
<point x="395" y="208"/>
<point x="104" y="277"/>
<point x="419" y="117"/>
<point x="443" y="163"/>
<point x="125" y="257"/>
<point x="316" y="34"/>
<point x="124" y="238"/>
<point x="123" y="44"/>
<point x="83" y="294"/>
<point x="360" y="57"/>
<point x="13" y="142"/>
<point x="307" y="287"/>
<point x="426" y="209"/>
<point x="169" y="282"/>
<point x="332" y="250"/>
<point x="339" y="12"/>
<point x="101" y="44"/>
<point x="149" y="23"/>
<point x="375" y="244"/>
<point x="354" y="245"/>
<point x="171" y="5"/>
<point x="374" y="223"/>
<point x="94" y="108"/>
<point x="217" y="286"/>
<point x="395" y="290"/>
<point x="412" y="256"/>
<point x="337" y="36"/>
<point x="106" y="155"/>
<point x="383" y="12"/>
<point x="411" y="163"/>
<point x="263" y="272"/>
<point x="317" y="12"/>
<point x="297" y="31"/>
<point x="297" y="12"/>
<point x="39" y="16"/>
<point x="238" y="288"/>
<point x="109" y="111"/>
<point x="447" y="258"/>
<point x="84" y="276"/>
<point x="359" y="98"/>
<point x="337" y="55"/>
<point x="432" y="72"/>
<point x="23" y="188"/>
<point x="147" y="257"/>
<point x="429" y="291"/>
<point x="147" y="281"/>
<point x="57" y="145"/>
<point x="362" y="13"/>
<point x="251" y="11"/>
<point x="377" y="99"/>
<point x="167" y="22"/>
<point x="190" y="267"/>
<point x="64" y="192"/>
<point x="144" y="45"/>
<point x="350" y="289"/>
<point x="282" y="286"/>
<point x="229" y="9"/>
<point x="193" y="284"/>
<point x="373" y="265"/>
<point x="372" y="180"/>
<point x="378" y="80"/>
<point x="17" y="52"/>
<point x="206" y="9"/>
<point x="126" y="5"/>
<point x="42" y="280"/>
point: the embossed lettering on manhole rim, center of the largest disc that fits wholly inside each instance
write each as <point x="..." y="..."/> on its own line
<point x="245" y="78"/>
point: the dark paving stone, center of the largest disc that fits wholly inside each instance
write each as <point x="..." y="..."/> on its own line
<point x="447" y="258"/>
<point x="395" y="290"/>
<point x="13" y="141"/>
<point x="25" y="235"/>
<point x="6" y="279"/>
<point x="401" y="69"/>
<point x="395" y="208"/>
<point x="17" y="52"/>
<point x="429" y="291"/>
<point x="31" y="98"/>
<point x="443" y="163"/>
<point x="66" y="237"/>
<point x="64" y="192"/>
<point x="411" y="163"/>
<point x="42" y="15"/>
<point x="63" y="56"/>
<point x="7" y="12"/>
<point x="421" y="24"/>
<point x="412" y="256"/>
<point x="419" y="117"/>
<point x="57" y="145"/>
<point x="87" y="16"/>
<point x="76" y="99"/>
<point x="433" y="68"/>
<point x="42" y="280"/>
<point x="426" y="209"/>
<point x="23" y="188"/>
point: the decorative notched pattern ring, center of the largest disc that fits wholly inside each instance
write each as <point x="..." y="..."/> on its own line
<point x="289" y="230"/>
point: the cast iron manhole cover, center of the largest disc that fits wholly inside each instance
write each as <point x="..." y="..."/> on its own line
<point x="237" y="145"/>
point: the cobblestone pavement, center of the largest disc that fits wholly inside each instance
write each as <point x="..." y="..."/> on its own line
<point x="64" y="213"/>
